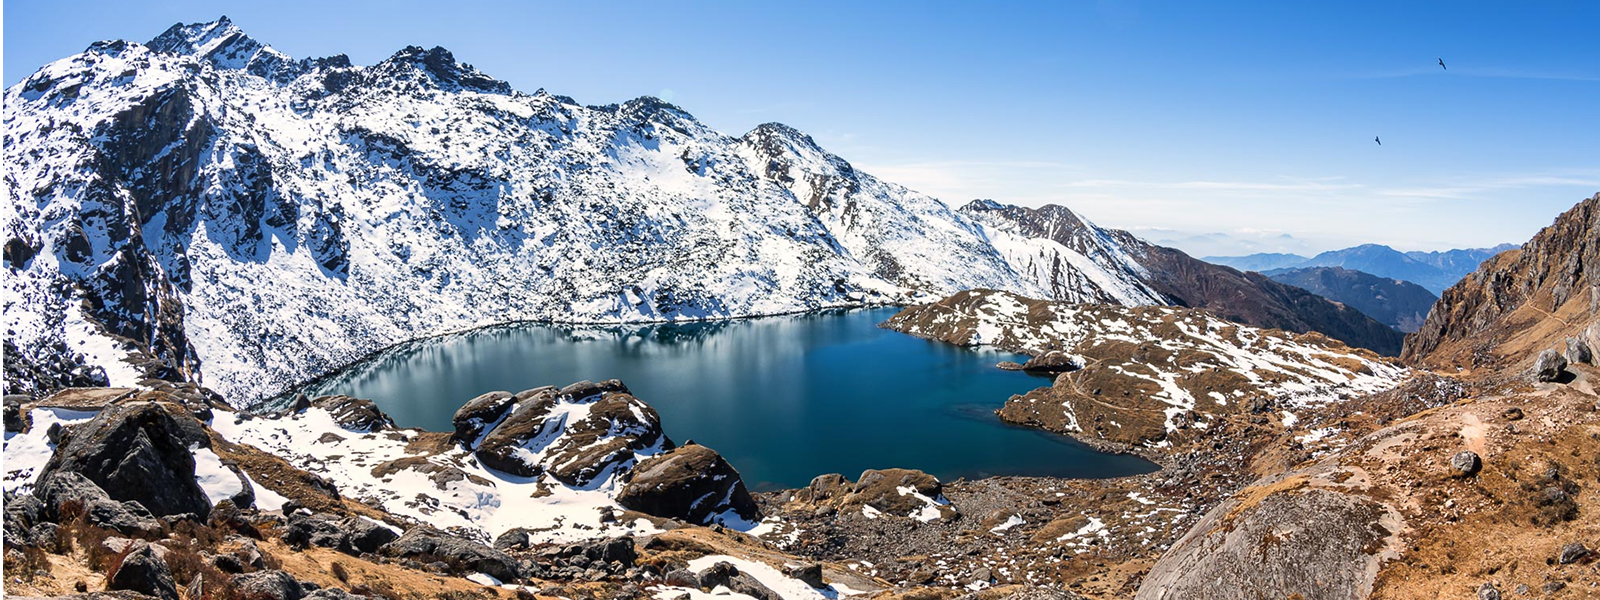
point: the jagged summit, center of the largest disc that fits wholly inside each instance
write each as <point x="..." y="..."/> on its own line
<point x="444" y="70"/>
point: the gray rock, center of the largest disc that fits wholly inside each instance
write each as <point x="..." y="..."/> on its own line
<point x="1315" y="543"/>
<point x="1007" y="365"/>
<point x="268" y="585"/>
<point x="18" y="420"/>
<point x="351" y="535"/>
<point x="1465" y="463"/>
<point x="1578" y="351"/>
<point x="128" y="518"/>
<point x="462" y="555"/>
<point x="1572" y="553"/>
<point x="1549" y="366"/>
<point x="810" y="573"/>
<point x="1487" y="591"/>
<point x="681" y="578"/>
<point x="514" y="539"/>
<point x="22" y="512"/>
<point x="692" y="483"/>
<point x="145" y="572"/>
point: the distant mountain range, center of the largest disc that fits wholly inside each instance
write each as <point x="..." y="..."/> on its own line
<point x="1432" y="270"/>
<point x="1393" y="302"/>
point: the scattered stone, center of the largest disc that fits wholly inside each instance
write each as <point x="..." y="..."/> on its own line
<point x="1552" y="587"/>
<point x="1466" y="463"/>
<point x="1549" y="366"/>
<point x="145" y="572"/>
<point x="1487" y="591"/>
<point x="1572" y="553"/>
<point x="1512" y="414"/>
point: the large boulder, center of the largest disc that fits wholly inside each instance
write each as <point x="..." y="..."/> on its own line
<point x="139" y="451"/>
<point x="464" y="556"/>
<point x="1550" y="366"/>
<point x="268" y="585"/>
<point x="354" y="414"/>
<point x="575" y="434"/>
<point x="145" y="572"/>
<point x="692" y="483"/>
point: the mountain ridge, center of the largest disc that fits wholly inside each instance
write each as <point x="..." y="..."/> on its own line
<point x="1435" y="270"/>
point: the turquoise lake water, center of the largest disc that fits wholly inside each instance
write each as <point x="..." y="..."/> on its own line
<point x="784" y="399"/>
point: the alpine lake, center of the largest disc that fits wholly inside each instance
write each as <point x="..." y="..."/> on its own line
<point x="783" y="398"/>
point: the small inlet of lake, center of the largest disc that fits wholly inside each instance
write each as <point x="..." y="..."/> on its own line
<point x="784" y="399"/>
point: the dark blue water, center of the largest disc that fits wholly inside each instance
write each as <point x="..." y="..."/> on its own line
<point x="783" y="398"/>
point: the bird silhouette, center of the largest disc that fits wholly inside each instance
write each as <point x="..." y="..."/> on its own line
<point x="1375" y="139"/>
<point x="1441" y="65"/>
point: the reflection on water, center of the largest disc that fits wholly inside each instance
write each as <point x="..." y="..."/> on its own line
<point x="783" y="398"/>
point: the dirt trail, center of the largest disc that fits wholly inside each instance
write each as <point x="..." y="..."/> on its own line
<point x="1472" y="432"/>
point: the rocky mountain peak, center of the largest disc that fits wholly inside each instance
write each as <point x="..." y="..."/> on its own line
<point x="442" y="68"/>
<point x="1518" y="302"/>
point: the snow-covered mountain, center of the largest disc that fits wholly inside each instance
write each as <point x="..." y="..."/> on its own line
<point x="204" y="207"/>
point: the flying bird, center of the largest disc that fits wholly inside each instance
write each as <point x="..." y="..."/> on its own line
<point x="1375" y="139"/>
<point x="1441" y="65"/>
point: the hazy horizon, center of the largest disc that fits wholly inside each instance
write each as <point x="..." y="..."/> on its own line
<point x="1174" y="122"/>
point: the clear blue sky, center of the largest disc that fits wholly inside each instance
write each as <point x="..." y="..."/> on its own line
<point x="1250" y="119"/>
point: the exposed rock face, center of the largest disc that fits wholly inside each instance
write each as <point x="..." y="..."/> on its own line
<point x="139" y="451"/>
<point x="575" y="434"/>
<point x="1152" y="372"/>
<point x="1316" y="544"/>
<point x="905" y="493"/>
<point x="1510" y="296"/>
<point x="1053" y="362"/>
<point x="1175" y="278"/>
<point x="351" y="535"/>
<point x="692" y="483"/>
<point x="481" y="414"/>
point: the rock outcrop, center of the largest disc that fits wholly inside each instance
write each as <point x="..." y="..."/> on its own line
<point x="1314" y="543"/>
<point x="575" y="434"/>
<point x="692" y="483"/>
<point x="139" y="451"/>
<point x="907" y="493"/>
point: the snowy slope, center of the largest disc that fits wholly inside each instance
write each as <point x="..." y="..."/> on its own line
<point x="250" y="221"/>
